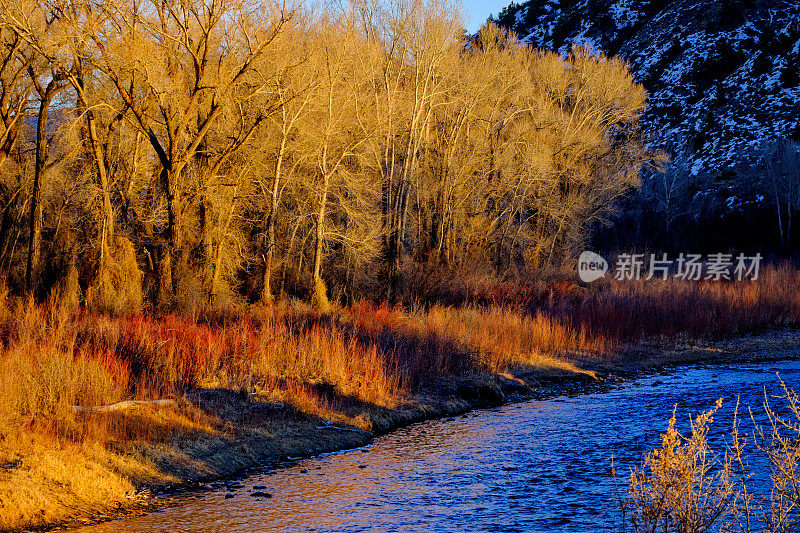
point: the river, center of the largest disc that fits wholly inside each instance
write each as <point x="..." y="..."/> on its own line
<point x="541" y="465"/>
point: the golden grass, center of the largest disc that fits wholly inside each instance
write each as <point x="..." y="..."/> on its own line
<point x="52" y="480"/>
<point x="52" y="359"/>
<point x="335" y="365"/>
<point x="502" y="337"/>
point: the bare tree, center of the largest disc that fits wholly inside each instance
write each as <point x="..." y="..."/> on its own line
<point x="779" y="166"/>
<point x="197" y="57"/>
<point x="211" y="140"/>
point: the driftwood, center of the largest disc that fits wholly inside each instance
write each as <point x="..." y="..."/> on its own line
<point x="329" y="425"/>
<point x="127" y="404"/>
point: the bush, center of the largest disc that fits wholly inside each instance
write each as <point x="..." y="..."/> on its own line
<point x="118" y="285"/>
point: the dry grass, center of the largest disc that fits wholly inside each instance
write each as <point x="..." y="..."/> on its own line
<point x="627" y="311"/>
<point x="53" y="358"/>
<point x="324" y="364"/>
<point x="687" y="484"/>
<point x="54" y="480"/>
<point x="503" y="337"/>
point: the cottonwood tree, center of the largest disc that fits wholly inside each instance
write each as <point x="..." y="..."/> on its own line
<point x="69" y="52"/>
<point x="14" y="91"/>
<point x="291" y="88"/>
<point x="476" y="146"/>
<point x="175" y="66"/>
<point x="218" y="146"/>
<point x="413" y="38"/>
<point x="330" y="133"/>
<point x="14" y="88"/>
<point x="779" y="166"/>
<point x="590" y="108"/>
<point x="48" y="81"/>
<point x="668" y="190"/>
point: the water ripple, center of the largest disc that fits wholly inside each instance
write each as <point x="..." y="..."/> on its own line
<point x="534" y="466"/>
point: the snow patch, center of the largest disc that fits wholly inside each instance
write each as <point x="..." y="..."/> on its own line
<point x="624" y="16"/>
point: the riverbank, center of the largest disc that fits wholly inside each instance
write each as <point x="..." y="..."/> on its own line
<point x="267" y="384"/>
<point x="538" y="465"/>
<point x="263" y="434"/>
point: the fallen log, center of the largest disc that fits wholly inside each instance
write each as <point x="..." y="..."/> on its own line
<point x="327" y="424"/>
<point x="126" y="404"/>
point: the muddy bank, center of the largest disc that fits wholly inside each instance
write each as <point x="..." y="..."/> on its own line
<point x="256" y="434"/>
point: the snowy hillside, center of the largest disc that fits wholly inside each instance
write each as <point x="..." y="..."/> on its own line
<point x="722" y="76"/>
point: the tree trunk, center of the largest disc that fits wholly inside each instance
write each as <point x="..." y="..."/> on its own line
<point x="780" y="221"/>
<point x="289" y="252"/>
<point x="171" y="250"/>
<point x="35" y="222"/>
<point x="166" y="292"/>
<point x="102" y="178"/>
<point x="320" y="233"/>
<point x="9" y="139"/>
<point x="396" y="232"/>
<point x="216" y="271"/>
<point x="788" y="223"/>
<point x="174" y="223"/>
<point x="320" y="297"/>
<point x="266" y="292"/>
<point x="437" y="223"/>
<point x="208" y="248"/>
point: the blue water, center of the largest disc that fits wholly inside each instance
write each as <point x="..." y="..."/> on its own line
<point x="533" y="466"/>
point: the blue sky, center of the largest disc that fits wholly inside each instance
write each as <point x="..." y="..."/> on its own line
<point x="478" y="10"/>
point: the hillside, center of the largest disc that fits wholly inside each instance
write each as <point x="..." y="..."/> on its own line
<point x="722" y="76"/>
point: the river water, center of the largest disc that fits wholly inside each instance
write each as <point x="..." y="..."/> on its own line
<point x="540" y="465"/>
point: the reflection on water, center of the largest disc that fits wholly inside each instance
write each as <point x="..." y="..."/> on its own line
<point x="534" y="466"/>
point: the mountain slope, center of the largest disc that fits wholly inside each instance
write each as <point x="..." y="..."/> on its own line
<point x="722" y="75"/>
